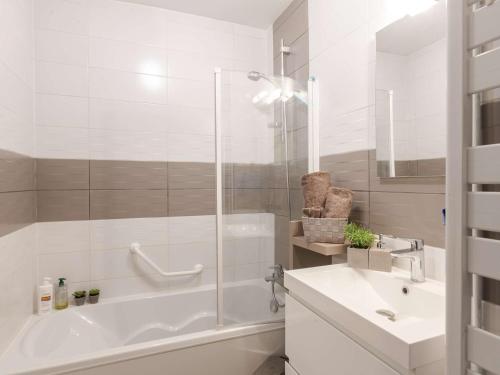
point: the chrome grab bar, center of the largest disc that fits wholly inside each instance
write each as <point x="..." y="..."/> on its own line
<point x="135" y="248"/>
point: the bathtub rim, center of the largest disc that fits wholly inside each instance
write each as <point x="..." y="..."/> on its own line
<point x="150" y="348"/>
<point x="145" y="349"/>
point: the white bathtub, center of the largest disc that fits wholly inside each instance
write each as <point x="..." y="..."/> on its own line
<point x="149" y="334"/>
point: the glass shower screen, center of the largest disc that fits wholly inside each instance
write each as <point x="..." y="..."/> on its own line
<point x="245" y="154"/>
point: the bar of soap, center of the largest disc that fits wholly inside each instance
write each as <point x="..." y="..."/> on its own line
<point x="380" y="259"/>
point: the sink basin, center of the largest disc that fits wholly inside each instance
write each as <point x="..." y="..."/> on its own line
<point x="401" y="322"/>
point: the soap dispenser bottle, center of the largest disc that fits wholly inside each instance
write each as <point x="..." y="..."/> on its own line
<point x="61" y="295"/>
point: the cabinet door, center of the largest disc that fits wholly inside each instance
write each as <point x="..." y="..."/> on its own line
<point x="315" y="347"/>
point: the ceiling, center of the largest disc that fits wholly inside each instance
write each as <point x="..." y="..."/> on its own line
<point x="412" y="33"/>
<point x="256" y="13"/>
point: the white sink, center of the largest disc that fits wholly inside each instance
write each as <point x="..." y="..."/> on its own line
<point x="349" y="299"/>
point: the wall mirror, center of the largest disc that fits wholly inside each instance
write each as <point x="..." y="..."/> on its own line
<point x="410" y="102"/>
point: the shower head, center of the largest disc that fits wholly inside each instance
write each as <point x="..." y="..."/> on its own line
<point x="255" y="76"/>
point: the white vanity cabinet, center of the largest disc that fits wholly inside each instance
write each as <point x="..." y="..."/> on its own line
<point x="315" y="347"/>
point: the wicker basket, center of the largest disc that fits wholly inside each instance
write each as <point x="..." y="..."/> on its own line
<point x="324" y="230"/>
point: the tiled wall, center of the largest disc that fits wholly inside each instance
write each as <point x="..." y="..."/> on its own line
<point x="292" y="27"/>
<point x="125" y="143"/>
<point x="342" y="59"/>
<point x="130" y="82"/>
<point x="17" y="199"/>
<point x="96" y="253"/>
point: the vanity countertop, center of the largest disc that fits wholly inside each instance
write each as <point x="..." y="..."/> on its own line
<point x="400" y="321"/>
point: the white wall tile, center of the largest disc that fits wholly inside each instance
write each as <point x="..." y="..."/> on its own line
<point x="113" y="84"/>
<point x="17" y="135"/>
<point x="63" y="237"/>
<point x="195" y="147"/>
<point x="186" y="229"/>
<point x="185" y="256"/>
<point x="16" y="38"/>
<point x="195" y="65"/>
<point x="17" y="270"/>
<point x="16" y="95"/>
<point x="189" y="120"/>
<point x="180" y="37"/>
<point x="120" y="145"/>
<point x="117" y="112"/>
<point x="247" y="272"/>
<point x="61" y="79"/>
<point x="75" y="267"/>
<point x="252" y="50"/>
<point x="62" y="143"/>
<point x="207" y="277"/>
<point x="130" y="22"/>
<point x="127" y="286"/>
<point x="127" y="56"/>
<point x="61" y="47"/>
<point x="115" y="234"/>
<point x="63" y="15"/>
<point x="188" y="93"/>
<point x="108" y="114"/>
<point x="247" y="251"/>
<point x="119" y="263"/>
<point x="65" y="111"/>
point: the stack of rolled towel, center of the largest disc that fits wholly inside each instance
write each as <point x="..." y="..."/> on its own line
<point x="322" y="200"/>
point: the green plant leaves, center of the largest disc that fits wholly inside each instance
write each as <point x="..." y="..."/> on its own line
<point x="359" y="237"/>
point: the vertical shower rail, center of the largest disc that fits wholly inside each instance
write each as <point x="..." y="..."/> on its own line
<point x="220" y="196"/>
<point x="312" y="125"/>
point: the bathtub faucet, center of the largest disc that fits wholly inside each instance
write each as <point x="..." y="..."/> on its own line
<point x="277" y="277"/>
<point x="278" y="274"/>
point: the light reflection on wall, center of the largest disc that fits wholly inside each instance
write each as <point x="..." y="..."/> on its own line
<point x="152" y="75"/>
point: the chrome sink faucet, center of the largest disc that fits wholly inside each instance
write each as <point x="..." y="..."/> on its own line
<point x="415" y="253"/>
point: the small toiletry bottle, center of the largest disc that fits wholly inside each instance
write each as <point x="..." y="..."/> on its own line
<point x="61" y="295"/>
<point x="45" y="296"/>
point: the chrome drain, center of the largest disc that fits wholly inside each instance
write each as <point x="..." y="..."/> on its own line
<point x="388" y="314"/>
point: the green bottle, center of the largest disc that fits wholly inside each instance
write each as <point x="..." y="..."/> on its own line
<point x="61" y="293"/>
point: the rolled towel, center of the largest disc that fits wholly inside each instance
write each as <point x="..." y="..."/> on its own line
<point x="338" y="203"/>
<point x="314" y="212"/>
<point x="314" y="187"/>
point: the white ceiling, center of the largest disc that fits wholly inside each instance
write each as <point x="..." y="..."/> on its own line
<point x="256" y="13"/>
<point x="412" y="33"/>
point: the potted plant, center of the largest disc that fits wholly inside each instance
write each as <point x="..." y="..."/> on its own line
<point x="94" y="295"/>
<point x="79" y="297"/>
<point x="360" y="240"/>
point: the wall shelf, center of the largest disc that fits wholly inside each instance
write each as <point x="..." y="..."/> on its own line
<point x="304" y="254"/>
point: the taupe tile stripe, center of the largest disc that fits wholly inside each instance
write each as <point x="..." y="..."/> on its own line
<point x="17" y="172"/>
<point x="17" y="210"/>
<point x="399" y="206"/>
<point x="17" y="196"/>
<point x="63" y="205"/>
<point x="348" y="170"/>
<point x="190" y="175"/>
<point x="127" y="175"/>
<point x="106" y="189"/>
<point x="121" y="204"/>
<point x="62" y="174"/>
